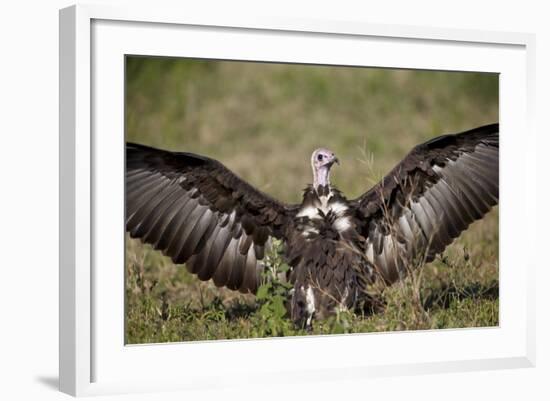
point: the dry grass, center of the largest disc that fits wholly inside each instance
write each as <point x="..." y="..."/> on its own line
<point x="263" y="121"/>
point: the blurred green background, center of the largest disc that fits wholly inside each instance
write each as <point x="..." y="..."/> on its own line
<point x="263" y="121"/>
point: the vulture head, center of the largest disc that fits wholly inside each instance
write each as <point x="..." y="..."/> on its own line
<point x="321" y="161"/>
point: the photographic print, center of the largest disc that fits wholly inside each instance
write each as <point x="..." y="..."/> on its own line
<point x="276" y="200"/>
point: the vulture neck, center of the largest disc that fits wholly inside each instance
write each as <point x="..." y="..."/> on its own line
<point x="321" y="177"/>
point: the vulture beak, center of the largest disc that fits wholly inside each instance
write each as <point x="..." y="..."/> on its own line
<point x="335" y="160"/>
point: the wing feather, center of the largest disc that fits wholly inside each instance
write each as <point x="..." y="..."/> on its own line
<point x="198" y="212"/>
<point x="157" y="234"/>
<point x="157" y="217"/>
<point x="429" y="198"/>
<point x="142" y="214"/>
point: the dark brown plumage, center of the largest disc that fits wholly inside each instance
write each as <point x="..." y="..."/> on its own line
<point x="428" y="199"/>
<point x="198" y="212"/>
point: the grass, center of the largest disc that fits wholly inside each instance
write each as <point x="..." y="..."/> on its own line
<point x="263" y="121"/>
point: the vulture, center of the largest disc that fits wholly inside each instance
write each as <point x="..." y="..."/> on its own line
<point x="199" y="213"/>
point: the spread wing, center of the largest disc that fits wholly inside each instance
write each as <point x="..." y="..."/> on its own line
<point x="429" y="198"/>
<point x="198" y="212"/>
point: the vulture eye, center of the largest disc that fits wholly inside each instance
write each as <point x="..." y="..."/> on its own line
<point x="320" y="157"/>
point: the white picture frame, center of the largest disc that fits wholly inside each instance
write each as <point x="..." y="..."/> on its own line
<point x="94" y="360"/>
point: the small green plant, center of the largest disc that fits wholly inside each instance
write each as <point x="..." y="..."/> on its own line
<point x="341" y="322"/>
<point x="272" y="315"/>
